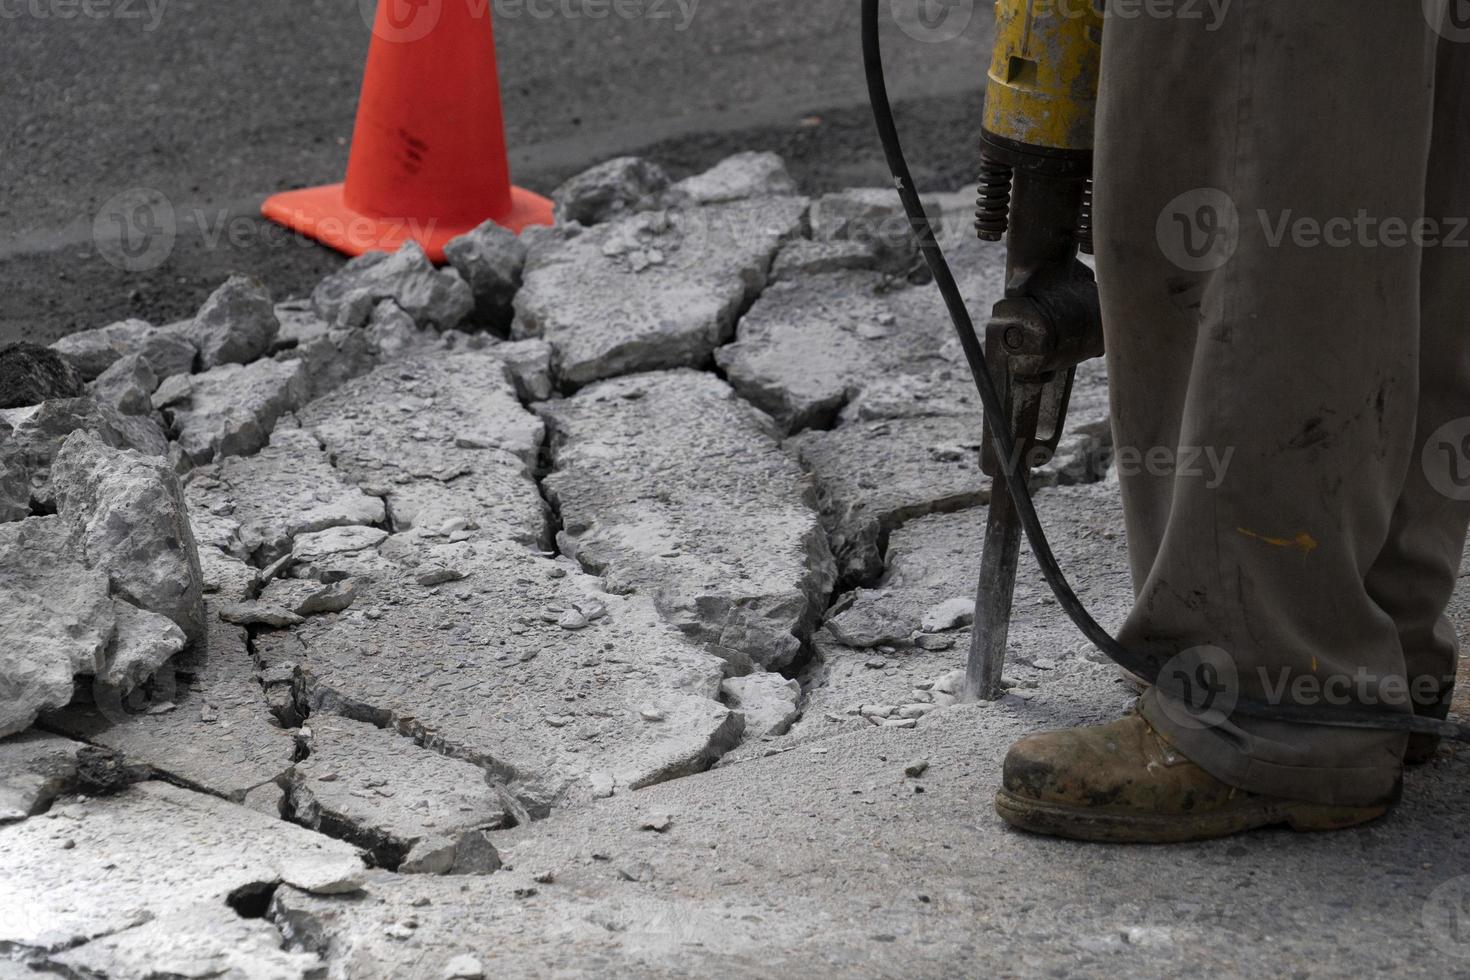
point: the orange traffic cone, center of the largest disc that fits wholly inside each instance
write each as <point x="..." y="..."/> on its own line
<point x="428" y="153"/>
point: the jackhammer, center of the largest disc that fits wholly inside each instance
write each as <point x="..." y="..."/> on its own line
<point x="1035" y="193"/>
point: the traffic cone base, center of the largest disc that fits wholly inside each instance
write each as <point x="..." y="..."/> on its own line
<point x="321" y="213"/>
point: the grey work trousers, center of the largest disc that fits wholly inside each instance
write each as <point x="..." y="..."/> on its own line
<point x="1282" y="194"/>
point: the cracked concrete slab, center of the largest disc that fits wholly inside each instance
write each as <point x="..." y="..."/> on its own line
<point x="911" y="446"/>
<point x="439" y="436"/>
<point x="868" y="871"/>
<point x="287" y="489"/>
<point x="167" y="351"/>
<point x="522" y="666"/>
<point x="872" y="477"/>
<point x="809" y="345"/>
<point x="875" y="649"/>
<point x="386" y="794"/>
<point x="651" y="290"/>
<point x="139" y="884"/>
<point x="231" y="410"/>
<point x="211" y="726"/>
<point x="670" y="485"/>
<point x="35" y="768"/>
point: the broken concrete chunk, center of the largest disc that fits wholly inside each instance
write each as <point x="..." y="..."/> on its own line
<point x="167" y="351"/>
<point x="126" y="513"/>
<point x="386" y="794"/>
<point x="490" y="259"/>
<point x="253" y="613"/>
<point x="288" y="489"/>
<point x="31" y="374"/>
<point x="769" y="702"/>
<point x="810" y="344"/>
<point x="55" y="616"/>
<point x="38" y="432"/>
<point x="336" y="541"/>
<point x="433" y="297"/>
<point x="671" y="486"/>
<point x="471" y="853"/>
<point x="308" y="598"/>
<point x="220" y="734"/>
<point x="393" y="333"/>
<point x="609" y="190"/>
<point x="231" y="410"/>
<point x="236" y="325"/>
<point x="299" y="325"/>
<point x="405" y="432"/>
<point x="653" y="290"/>
<point x="35" y="768"/>
<point x="471" y="672"/>
<point x="143" y="642"/>
<point x="172" y="390"/>
<point x="803" y="257"/>
<point x="737" y="178"/>
<point x="127" y="385"/>
<point x="187" y="858"/>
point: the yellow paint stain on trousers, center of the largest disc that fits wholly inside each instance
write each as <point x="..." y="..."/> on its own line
<point x="1303" y="541"/>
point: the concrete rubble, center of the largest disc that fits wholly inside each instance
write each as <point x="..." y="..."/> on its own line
<point x="592" y="605"/>
<point x="168" y="351"/>
<point x="609" y="190"/>
<point x="128" y="385"/>
<point x="126" y="515"/>
<point x="236" y="325"/>
<point x="438" y="298"/>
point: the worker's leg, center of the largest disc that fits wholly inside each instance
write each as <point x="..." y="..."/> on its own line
<point x="1249" y="172"/>
<point x="1415" y="574"/>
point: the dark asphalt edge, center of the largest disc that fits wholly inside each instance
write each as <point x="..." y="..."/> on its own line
<point x="50" y="293"/>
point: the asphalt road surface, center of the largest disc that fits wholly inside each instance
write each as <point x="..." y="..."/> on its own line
<point x="210" y="105"/>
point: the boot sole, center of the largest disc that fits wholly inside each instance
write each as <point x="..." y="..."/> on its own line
<point x="1089" y="824"/>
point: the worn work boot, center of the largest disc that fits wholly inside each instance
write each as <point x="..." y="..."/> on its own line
<point x="1123" y="783"/>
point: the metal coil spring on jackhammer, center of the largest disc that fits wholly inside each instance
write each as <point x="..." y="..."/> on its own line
<point x="1084" y="221"/>
<point x="993" y="206"/>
